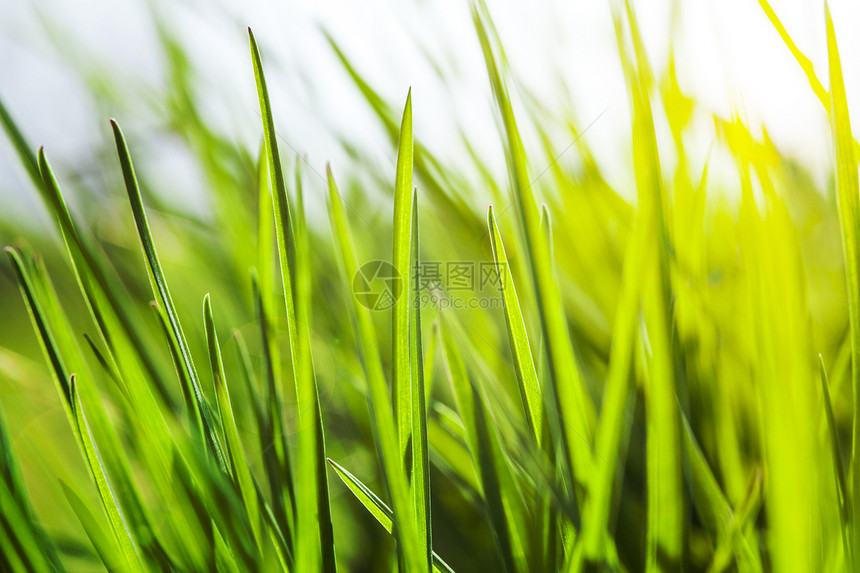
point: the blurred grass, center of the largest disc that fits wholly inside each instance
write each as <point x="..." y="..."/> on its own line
<point x="668" y="380"/>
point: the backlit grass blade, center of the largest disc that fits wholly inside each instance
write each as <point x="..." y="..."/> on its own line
<point x="102" y="288"/>
<point x="420" y="465"/>
<point x="838" y="466"/>
<point x="117" y="520"/>
<point x="616" y="394"/>
<point x="400" y="369"/>
<point x="71" y="403"/>
<point x="567" y="393"/>
<point x="116" y="324"/>
<point x="235" y="453"/>
<point x="315" y="539"/>
<point x="379" y="399"/>
<point x="804" y="62"/>
<point x="524" y="365"/>
<point x="714" y="509"/>
<point x="105" y="546"/>
<point x="162" y="294"/>
<point x="377" y="508"/>
<point x="503" y="503"/>
<point x="737" y="541"/>
<point x="848" y="204"/>
<point x="273" y="444"/>
<point x="664" y="538"/>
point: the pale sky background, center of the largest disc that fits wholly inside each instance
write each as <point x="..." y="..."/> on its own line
<point x="729" y="57"/>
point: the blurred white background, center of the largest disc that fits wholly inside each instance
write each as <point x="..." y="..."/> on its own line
<point x="729" y="57"/>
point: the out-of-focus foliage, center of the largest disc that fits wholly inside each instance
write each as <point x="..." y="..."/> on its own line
<point x="661" y="378"/>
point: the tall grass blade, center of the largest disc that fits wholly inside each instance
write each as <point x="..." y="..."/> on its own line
<point x="162" y="294"/>
<point x="848" y="204"/>
<point x="235" y="453"/>
<point x="379" y="400"/>
<point x="530" y="390"/>
<point x="315" y="539"/>
<point x="377" y="508"/>
<point x="400" y="368"/>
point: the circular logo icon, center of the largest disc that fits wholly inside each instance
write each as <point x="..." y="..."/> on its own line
<point x="377" y="285"/>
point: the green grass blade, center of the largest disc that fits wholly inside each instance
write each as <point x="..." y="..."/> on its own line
<point x="315" y="539"/>
<point x="664" y="538"/>
<point x="616" y="393"/>
<point x="418" y="404"/>
<point x="36" y="547"/>
<point x="377" y="508"/>
<point x="105" y="546"/>
<point x="273" y="444"/>
<point x="400" y="368"/>
<point x="527" y="378"/>
<point x="568" y="395"/>
<point x="379" y="399"/>
<point x="20" y="548"/>
<point x="714" y="509"/>
<point x="116" y="518"/>
<point x="235" y="453"/>
<point x="503" y="503"/>
<point x="838" y="466"/>
<point x="162" y="294"/>
<point x="848" y="204"/>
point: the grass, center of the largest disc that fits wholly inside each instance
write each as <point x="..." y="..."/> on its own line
<point x="666" y="383"/>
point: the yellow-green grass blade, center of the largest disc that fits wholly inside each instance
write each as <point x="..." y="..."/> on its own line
<point x="804" y="62"/>
<point x="262" y="427"/>
<point x="838" y="466"/>
<point x="568" y="395"/>
<point x="377" y="508"/>
<point x="504" y="505"/>
<point x="379" y="400"/>
<point x="524" y="365"/>
<point x="848" y="204"/>
<point x="665" y="497"/>
<point x="162" y="293"/>
<point x="315" y="539"/>
<point x="194" y="419"/>
<point x="400" y="363"/>
<point x="235" y="453"/>
<point x="736" y="542"/>
<point x="420" y="478"/>
<point x="431" y="173"/>
<point x="616" y="394"/>
<point x="127" y="352"/>
<point x="714" y="510"/>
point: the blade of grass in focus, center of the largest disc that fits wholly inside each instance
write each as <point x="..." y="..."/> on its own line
<point x="315" y="539"/>
<point x="379" y="401"/>
<point x="378" y="509"/>
<point x="420" y="466"/>
<point x="517" y="334"/>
